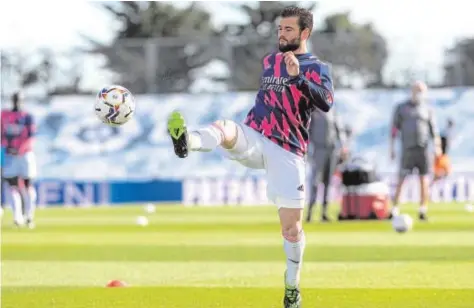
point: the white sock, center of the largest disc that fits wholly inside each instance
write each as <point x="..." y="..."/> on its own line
<point x="395" y="210"/>
<point x="205" y="139"/>
<point x="15" y="202"/>
<point x="29" y="196"/>
<point x="423" y="209"/>
<point x="294" y="258"/>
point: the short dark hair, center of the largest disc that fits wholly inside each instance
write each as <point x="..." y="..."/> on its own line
<point x="17" y="97"/>
<point x="305" y="16"/>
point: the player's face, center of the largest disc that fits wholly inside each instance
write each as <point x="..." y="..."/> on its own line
<point x="289" y="34"/>
<point x="419" y="91"/>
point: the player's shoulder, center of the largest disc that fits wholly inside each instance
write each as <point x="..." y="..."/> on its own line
<point x="313" y="60"/>
<point x="403" y="104"/>
<point x="313" y="63"/>
<point x="28" y="116"/>
<point x="269" y="55"/>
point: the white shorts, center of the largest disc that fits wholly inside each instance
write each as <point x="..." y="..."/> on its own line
<point x="285" y="171"/>
<point x="23" y="166"/>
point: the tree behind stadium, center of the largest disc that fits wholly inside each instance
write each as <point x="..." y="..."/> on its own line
<point x="184" y="38"/>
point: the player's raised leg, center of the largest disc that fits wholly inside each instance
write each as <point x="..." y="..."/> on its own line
<point x="222" y="133"/>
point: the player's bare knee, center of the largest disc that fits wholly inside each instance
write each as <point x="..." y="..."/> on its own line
<point x="292" y="233"/>
<point x="229" y="132"/>
<point x="292" y="230"/>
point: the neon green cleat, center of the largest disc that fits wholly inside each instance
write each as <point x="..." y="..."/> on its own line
<point x="292" y="297"/>
<point x="178" y="132"/>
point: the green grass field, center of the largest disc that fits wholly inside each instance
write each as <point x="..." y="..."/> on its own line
<point x="233" y="257"/>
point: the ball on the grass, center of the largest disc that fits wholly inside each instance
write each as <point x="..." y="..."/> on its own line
<point x="150" y="208"/>
<point x="402" y="223"/>
<point x="142" y="221"/>
<point x="469" y="208"/>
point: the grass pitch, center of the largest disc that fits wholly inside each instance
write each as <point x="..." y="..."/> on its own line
<point x="233" y="257"/>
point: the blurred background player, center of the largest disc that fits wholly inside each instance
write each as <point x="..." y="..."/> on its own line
<point x="415" y="122"/>
<point x="274" y="136"/>
<point x="19" y="169"/>
<point x="442" y="165"/>
<point x="326" y="148"/>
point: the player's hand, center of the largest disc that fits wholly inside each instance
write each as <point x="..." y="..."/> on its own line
<point x="344" y="153"/>
<point x="438" y="151"/>
<point x="292" y="64"/>
<point x="11" y="151"/>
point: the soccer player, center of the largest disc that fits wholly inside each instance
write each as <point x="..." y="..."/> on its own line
<point x="326" y="139"/>
<point x="415" y="121"/>
<point x="17" y="131"/>
<point x="274" y="136"/>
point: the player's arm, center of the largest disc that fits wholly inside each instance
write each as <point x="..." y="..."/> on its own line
<point x="434" y="133"/>
<point x="31" y="131"/>
<point x="395" y="127"/>
<point x="31" y="127"/>
<point x="316" y="84"/>
<point x="2" y="131"/>
<point x="340" y="133"/>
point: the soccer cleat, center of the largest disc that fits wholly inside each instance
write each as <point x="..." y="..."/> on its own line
<point x="423" y="216"/>
<point x="178" y="133"/>
<point x="292" y="297"/>
<point x="325" y="218"/>
<point x="18" y="224"/>
<point x="30" y="223"/>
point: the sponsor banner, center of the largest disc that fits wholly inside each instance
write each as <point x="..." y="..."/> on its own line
<point x="82" y="194"/>
<point x="214" y="191"/>
<point x="208" y="191"/>
<point x="145" y="191"/>
<point x="68" y="193"/>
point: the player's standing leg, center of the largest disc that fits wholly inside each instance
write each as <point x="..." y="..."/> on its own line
<point x="294" y="243"/>
<point x="285" y="188"/>
<point x="407" y="164"/>
<point x="12" y="193"/>
<point x="317" y="158"/>
<point x="328" y="172"/>
<point x="28" y="191"/>
<point x="423" y="164"/>
<point x="13" y="196"/>
<point x="29" y="197"/>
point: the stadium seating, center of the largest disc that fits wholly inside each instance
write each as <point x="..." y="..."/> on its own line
<point x="73" y="143"/>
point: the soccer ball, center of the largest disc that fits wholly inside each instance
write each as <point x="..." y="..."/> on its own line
<point x="402" y="223"/>
<point x="114" y="105"/>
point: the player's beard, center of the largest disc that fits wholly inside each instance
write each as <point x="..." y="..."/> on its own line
<point x="290" y="45"/>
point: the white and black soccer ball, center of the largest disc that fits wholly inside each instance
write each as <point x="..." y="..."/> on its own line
<point x="402" y="223"/>
<point x="114" y="105"/>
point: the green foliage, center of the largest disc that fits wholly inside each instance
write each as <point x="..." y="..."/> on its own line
<point x="353" y="49"/>
<point x="172" y="61"/>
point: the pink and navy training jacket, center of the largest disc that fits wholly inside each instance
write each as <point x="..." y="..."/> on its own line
<point x="17" y="131"/>
<point x="283" y="105"/>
